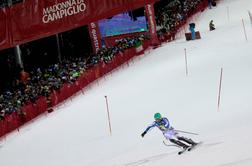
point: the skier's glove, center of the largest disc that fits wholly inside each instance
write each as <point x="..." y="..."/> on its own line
<point x="143" y="134"/>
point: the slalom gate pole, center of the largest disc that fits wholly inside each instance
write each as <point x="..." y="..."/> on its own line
<point x="250" y="17"/>
<point x="110" y="130"/>
<point x="245" y="33"/>
<point x="186" y="62"/>
<point x="228" y="14"/>
<point x="181" y="131"/>
<point x="219" y="94"/>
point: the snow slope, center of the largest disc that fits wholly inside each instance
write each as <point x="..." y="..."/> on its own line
<point x="77" y="133"/>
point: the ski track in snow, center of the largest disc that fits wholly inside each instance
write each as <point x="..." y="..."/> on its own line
<point x="77" y="134"/>
<point x="242" y="162"/>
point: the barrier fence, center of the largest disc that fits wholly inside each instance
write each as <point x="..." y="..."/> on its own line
<point x="32" y="110"/>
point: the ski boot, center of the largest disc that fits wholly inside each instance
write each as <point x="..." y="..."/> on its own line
<point x="180" y="144"/>
<point x="189" y="141"/>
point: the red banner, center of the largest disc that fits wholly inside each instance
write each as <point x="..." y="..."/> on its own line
<point x="32" y="20"/>
<point x="95" y="36"/>
<point x="4" y="39"/>
<point x="151" y="22"/>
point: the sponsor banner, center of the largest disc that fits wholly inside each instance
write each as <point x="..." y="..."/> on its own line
<point x="151" y="22"/>
<point x="95" y="36"/>
<point x="63" y="9"/>
<point x="43" y="18"/>
<point x="35" y="19"/>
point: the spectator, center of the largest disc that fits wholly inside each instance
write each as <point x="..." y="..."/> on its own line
<point x="24" y="76"/>
<point x="210" y="4"/>
<point x="192" y="29"/>
<point x="211" y="26"/>
<point x="2" y="112"/>
<point x="213" y="3"/>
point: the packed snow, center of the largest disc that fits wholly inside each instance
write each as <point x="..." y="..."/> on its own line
<point x="77" y="132"/>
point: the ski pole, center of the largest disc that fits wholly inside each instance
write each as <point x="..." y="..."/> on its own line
<point x="170" y="145"/>
<point x="186" y="132"/>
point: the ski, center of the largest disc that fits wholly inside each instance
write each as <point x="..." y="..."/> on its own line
<point x="194" y="146"/>
<point x="182" y="151"/>
<point x="190" y="148"/>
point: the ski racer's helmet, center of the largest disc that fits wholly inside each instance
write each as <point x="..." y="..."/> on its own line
<point x="157" y="116"/>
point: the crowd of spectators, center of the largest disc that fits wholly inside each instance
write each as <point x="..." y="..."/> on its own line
<point x="170" y="16"/>
<point x="5" y="3"/>
<point x="39" y="83"/>
<point x="106" y="54"/>
<point x="42" y="82"/>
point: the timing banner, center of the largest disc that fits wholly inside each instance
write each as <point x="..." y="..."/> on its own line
<point x="95" y="36"/>
<point x="150" y="13"/>
<point x="34" y="19"/>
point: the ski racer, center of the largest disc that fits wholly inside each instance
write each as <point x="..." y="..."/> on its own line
<point x="169" y="133"/>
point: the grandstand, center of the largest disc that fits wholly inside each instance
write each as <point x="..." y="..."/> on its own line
<point x="50" y="51"/>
